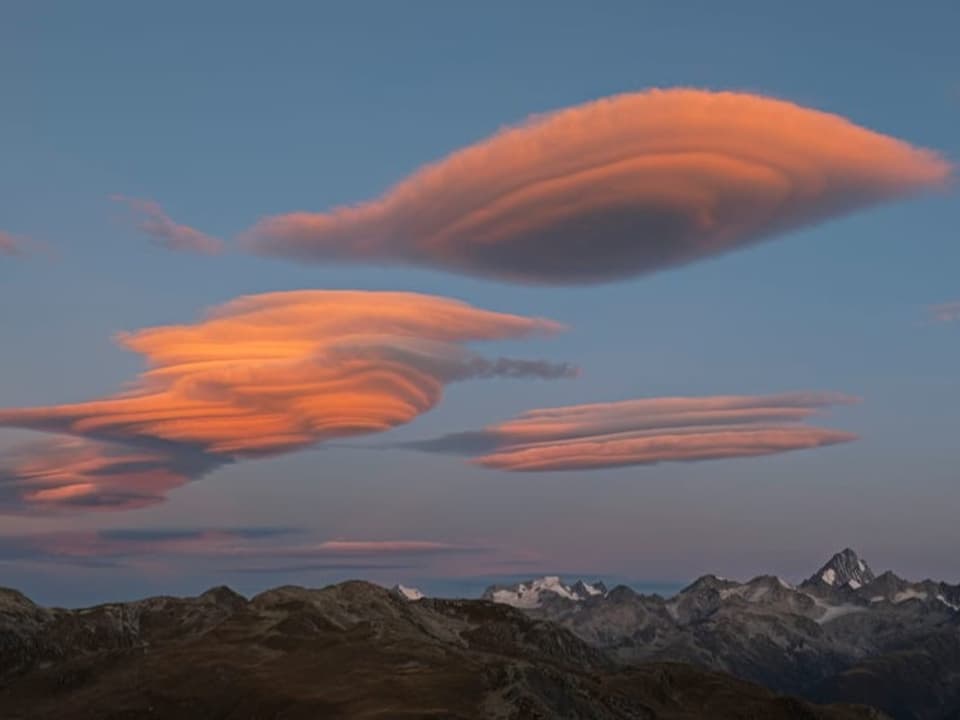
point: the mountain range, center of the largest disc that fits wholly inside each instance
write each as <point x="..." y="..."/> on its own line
<point x="843" y="635"/>
<point x="845" y="643"/>
<point x="353" y="650"/>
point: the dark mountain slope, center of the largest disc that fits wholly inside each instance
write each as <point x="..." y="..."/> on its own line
<point x="348" y="651"/>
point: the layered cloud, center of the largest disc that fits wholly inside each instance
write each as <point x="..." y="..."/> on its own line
<point x="614" y="188"/>
<point x="241" y="549"/>
<point x="167" y="233"/>
<point x="76" y="473"/>
<point x="647" y="431"/>
<point x="946" y="312"/>
<point x="261" y="375"/>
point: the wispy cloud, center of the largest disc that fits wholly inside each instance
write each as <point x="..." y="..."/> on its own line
<point x="167" y="233"/>
<point x="945" y="312"/>
<point x="618" y="187"/>
<point x="646" y="431"/>
<point x="10" y="244"/>
<point x="261" y="375"/>
<point x="235" y="549"/>
<point x="21" y="246"/>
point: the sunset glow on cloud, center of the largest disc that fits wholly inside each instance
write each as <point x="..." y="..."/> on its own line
<point x="10" y="244"/>
<point x="946" y="312"/>
<point x="647" y="431"/>
<point x="75" y="473"/>
<point x="614" y="188"/>
<point x="232" y="548"/>
<point x="261" y="375"/>
<point x="167" y="233"/>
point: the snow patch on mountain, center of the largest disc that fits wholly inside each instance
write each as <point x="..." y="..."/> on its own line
<point x="949" y="604"/>
<point x="909" y="594"/>
<point x="409" y="593"/>
<point x="845" y="569"/>
<point x="533" y="593"/>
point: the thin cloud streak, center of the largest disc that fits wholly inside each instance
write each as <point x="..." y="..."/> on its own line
<point x="259" y="376"/>
<point x="244" y="549"/>
<point x="619" y="187"/>
<point x="646" y="431"/>
<point x="946" y="312"/>
<point x="10" y="245"/>
<point x="323" y="567"/>
<point x="167" y="233"/>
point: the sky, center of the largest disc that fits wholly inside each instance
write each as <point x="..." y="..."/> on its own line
<point x="447" y="295"/>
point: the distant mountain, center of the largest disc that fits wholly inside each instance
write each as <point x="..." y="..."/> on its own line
<point x="535" y="593"/>
<point x="407" y="593"/>
<point x="845" y="569"/>
<point x="844" y="634"/>
<point x="353" y="650"/>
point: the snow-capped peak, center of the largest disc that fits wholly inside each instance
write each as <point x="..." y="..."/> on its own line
<point x="410" y="593"/>
<point x="532" y="593"/>
<point x="845" y="569"/>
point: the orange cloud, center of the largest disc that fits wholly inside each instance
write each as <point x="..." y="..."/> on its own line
<point x="614" y="188"/>
<point x="75" y="473"/>
<point x="167" y="233"/>
<point x="267" y="374"/>
<point x="647" y="431"/>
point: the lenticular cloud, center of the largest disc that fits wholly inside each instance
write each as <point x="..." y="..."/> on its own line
<point x="618" y="187"/>
<point x="647" y="431"/>
<point x="261" y="375"/>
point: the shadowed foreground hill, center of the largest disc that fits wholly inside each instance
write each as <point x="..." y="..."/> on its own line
<point x="352" y="650"/>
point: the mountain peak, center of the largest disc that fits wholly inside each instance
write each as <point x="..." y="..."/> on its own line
<point x="845" y="569"/>
<point x="533" y="593"/>
<point x="222" y="595"/>
<point x="408" y="593"/>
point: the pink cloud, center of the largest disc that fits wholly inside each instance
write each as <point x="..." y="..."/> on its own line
<point x="362" y="547"/>
<point x="231" y="548"/>
<point x="647" y="431"/>
<point x="166" y="232"/>
<point x="12" y="245"/>
<point x="946" y="312"/>
<point x="76" y="473"/>
<point x="618" y="187"/>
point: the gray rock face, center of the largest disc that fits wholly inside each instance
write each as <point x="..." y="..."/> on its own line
<point x="845" y="569"/>
<point x="844" y="634"/>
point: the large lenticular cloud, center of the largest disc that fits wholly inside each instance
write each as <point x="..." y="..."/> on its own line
<point x="647" y="431"/>
<point x="261" y="375"/>
<point x="618" y="187"/>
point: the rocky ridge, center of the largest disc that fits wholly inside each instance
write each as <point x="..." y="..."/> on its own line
<point x="842" y="634"/>
<point x="352" y="650"/>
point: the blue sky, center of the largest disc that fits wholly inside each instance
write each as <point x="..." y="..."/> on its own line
<point x="228" y="112"/>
